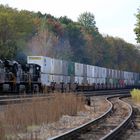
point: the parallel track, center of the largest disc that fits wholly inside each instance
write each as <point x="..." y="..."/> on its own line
<point x="7" y="99"/>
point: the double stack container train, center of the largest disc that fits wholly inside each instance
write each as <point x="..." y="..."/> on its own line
<point x="53" y="74"/>
<point x="69" y="76"/>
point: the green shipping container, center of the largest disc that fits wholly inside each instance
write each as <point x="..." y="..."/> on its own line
<point x="71" y="69"/>
<point x="115" y="81"/>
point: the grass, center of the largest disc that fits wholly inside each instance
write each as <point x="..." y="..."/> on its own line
<point x="24" y="117"/>
<point x="135" y="93"/>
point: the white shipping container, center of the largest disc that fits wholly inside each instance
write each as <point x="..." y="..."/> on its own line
<point x="115" y="74"/>
<point x="65" y="79"/>
<point x="126" y="82"/>
<point x="100" y="72"/>
<point x="94" y="73"/>
<point x="57" y="78"/>
<point x="125" y="75"/>
<point x="101" y="80"/>
<point x="112" y="73"/>
<point x="89" y="80"/>
<point x="78" y="69"/>
<point x="104" y="72"/>
<point x="84" y="70"/>
<point x="89" y="71"/>
<point x="57" y="66"/>
<point x="118" y="74"/>
<point x="68" y="79"/>
<point x="45" y="79"/>
<point x="64" y="67"/>
<point x="98" y="80"/>
<point x="97" y="71"/>
<point x="78" y="79"/>
<point x="92" y="80"/>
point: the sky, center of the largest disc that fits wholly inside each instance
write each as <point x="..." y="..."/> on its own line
<point x="113" y="17"/>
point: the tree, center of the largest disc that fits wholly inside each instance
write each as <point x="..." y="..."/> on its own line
<point x="137" y="28"/>
<point x="77" y="42"/>
<point x="88" y="21"/>
<point x="65" y="20"/>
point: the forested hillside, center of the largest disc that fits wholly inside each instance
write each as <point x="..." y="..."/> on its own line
<point x="25" y="33"/>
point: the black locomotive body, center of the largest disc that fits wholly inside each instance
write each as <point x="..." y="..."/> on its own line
<point x="15" y="78"/>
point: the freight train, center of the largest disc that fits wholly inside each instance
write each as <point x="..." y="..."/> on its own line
<point x="45" y="74"/>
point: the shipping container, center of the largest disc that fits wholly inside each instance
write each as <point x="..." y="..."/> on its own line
<point x="57" y="67"/>
<point x="64" y="67"/>
<point x="94" y="71"/>
<point x="48" y="65"/>
<point x="112" y="74"/>
<point x="104" y="72"/>
<point x="109" y="73"/>
<point x="94" y="80"/>
<point x="71" y="68"/>
<point x="79" y="80"/>
<point x="118" y="74"/>
<point x="78" y="69"/>
<point x="85" y="81"/>
<point x="84" y="70"/>
<point x="68" y="79"/>
<point x="45" y="79"/>
<point x="115" y="74"/>
<point x="89" y="71"/>
<point x="122" y="75"/>
<point x="65" y="79"/>
<point x="57" y="78"/>
<point x="109" y="81"/>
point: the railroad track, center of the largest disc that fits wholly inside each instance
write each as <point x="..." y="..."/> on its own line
<point x="14" y="99"/>
<point x="107" y="126"/>
<point x="106" y="92"/>
<point x="11" y="99"/>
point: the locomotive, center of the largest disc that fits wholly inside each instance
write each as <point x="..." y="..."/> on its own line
<point x="15" y="78"/>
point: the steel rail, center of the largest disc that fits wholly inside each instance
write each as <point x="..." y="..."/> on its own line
<point x="121" y="126"/>
<point x="70" y="134"/>
<point x="83" y="127"/>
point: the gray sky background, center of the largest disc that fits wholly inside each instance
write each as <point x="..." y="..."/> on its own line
<point x="113" y="17"/>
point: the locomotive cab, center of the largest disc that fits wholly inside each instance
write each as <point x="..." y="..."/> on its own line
<point x="35" y="72"/>
<point x="10" y="76"/>
<point x="34" y="77"/>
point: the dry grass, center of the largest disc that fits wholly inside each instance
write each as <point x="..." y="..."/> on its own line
<point x="135" y="93"/>
<point x="22" y="117"/>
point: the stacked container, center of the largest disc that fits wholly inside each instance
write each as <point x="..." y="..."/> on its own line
<point x="54" y="70"/>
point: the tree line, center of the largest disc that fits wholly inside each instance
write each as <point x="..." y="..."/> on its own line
<point x="25" y="33"/>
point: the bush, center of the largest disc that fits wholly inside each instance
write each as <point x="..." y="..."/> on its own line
<point x="135" y="93"/>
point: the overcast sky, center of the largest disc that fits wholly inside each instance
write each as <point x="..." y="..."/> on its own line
<point x="113" y="17"/>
